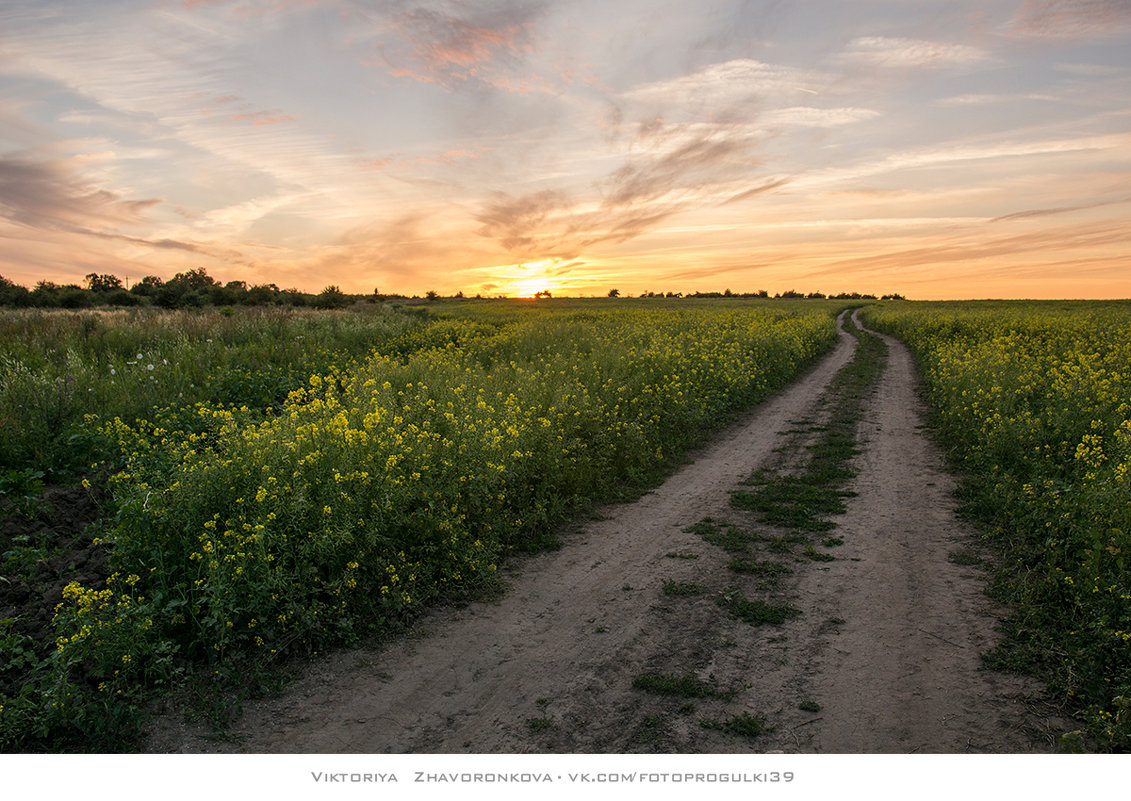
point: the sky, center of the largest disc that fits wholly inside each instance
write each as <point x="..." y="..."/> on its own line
<point x="940" y="150"/>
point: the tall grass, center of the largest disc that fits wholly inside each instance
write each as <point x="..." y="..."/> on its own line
<point x="56" y="367"/>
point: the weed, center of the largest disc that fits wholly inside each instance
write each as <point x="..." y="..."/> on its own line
<point x="805" y="501"/>
<point x="809" y="706"/>
<point x="682" y="588"/>
<point x="651" y="730"/>
<point x="756" y="612"/>
<point x="754" y="567"/>
<point x="729" y="537"/>
<point x="966" y="558"/>
<point x="816" y="556"/>
<point x="20" y="492"/>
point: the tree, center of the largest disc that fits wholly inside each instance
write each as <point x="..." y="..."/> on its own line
<point x="147" y="287"/>
<point x="74" y="297"/>
<point x="103" y="283"/>
<point x="432" y="294"/>
<point x="120" y="297"/>
<point x="545" y="293"/>
<point x="261" y="295"/>
<point x="614" y="293"/>
<point x="45" y="294"/>
<point x="12" y="294"/>
<point x="331" y="298"/>
<point x="194" y="279"/>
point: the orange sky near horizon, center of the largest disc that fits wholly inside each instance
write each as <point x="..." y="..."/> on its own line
<point x="939" y="150"/>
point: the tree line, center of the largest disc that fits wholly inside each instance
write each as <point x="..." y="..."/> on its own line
<point x="193" y="288"/>
<point x="196" y="288"/>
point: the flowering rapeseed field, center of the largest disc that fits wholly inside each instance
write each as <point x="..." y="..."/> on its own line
<point x="1034" y="400"/>
<point x="241" y="532"/>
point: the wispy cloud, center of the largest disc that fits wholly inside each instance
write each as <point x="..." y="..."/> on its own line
<point x="1030" y="213"/>
<point x="953" y="154"/>
<point x="462" y="43"/>
<point x="667" y="171"/>
<point x="675" y="145"/>
<point x="986" y="99"/>
<point x="898" y="53"/>
<point x="810" y="117"/>
<point x="729" y="87"/>
<point x="519" y="223"/>
<point x="263" y="117"/>
<point x="1070" y="19"/>
<point x="53" y="195"/>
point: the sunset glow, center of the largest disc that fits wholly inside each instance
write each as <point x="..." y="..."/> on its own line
<point x="935" y="149"/>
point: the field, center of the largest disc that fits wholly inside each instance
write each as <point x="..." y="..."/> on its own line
<point x="194" y="499"/>
<point x="265" y="484"/>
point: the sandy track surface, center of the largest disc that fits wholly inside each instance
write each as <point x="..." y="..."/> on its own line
<point x="887" y="644"/>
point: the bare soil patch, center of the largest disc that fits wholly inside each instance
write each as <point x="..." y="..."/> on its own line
<point x="46" y="550"/>
<point x="618" y="642"/>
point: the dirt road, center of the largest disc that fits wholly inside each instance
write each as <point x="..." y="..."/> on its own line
<point x="883" y="656"/>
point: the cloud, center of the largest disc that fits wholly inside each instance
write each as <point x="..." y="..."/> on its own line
<point x="1033" y="248"/>
<point x="263" y="117"/>
<point x="728" y="86"/>
<point x="1070" y="19"/>
<point x="948" y="155"/>
<point x="700" y="159"/>
<point x="809" y="117"/>
<point x="768" y="186"/>
<point x="882" y="51"/>
<point x="472" y="44"/>
<point x="671" y="169"/>
<point x="407" y="163"/>
<point x="414" y="245"/>
<point x="518" y="222"/>
<point x="50" y="195"/>
<point x="1022" y="215"/>
<point x="682" y="143"/>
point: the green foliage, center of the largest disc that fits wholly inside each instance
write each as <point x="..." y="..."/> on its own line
<point x="758" y="568"/>
<point x="756" y="612"/>
<point x="258" y="511"/>
<point x="60" y="371"/>
<point x="20" y="491"/>
<point x="682" y="588"/>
